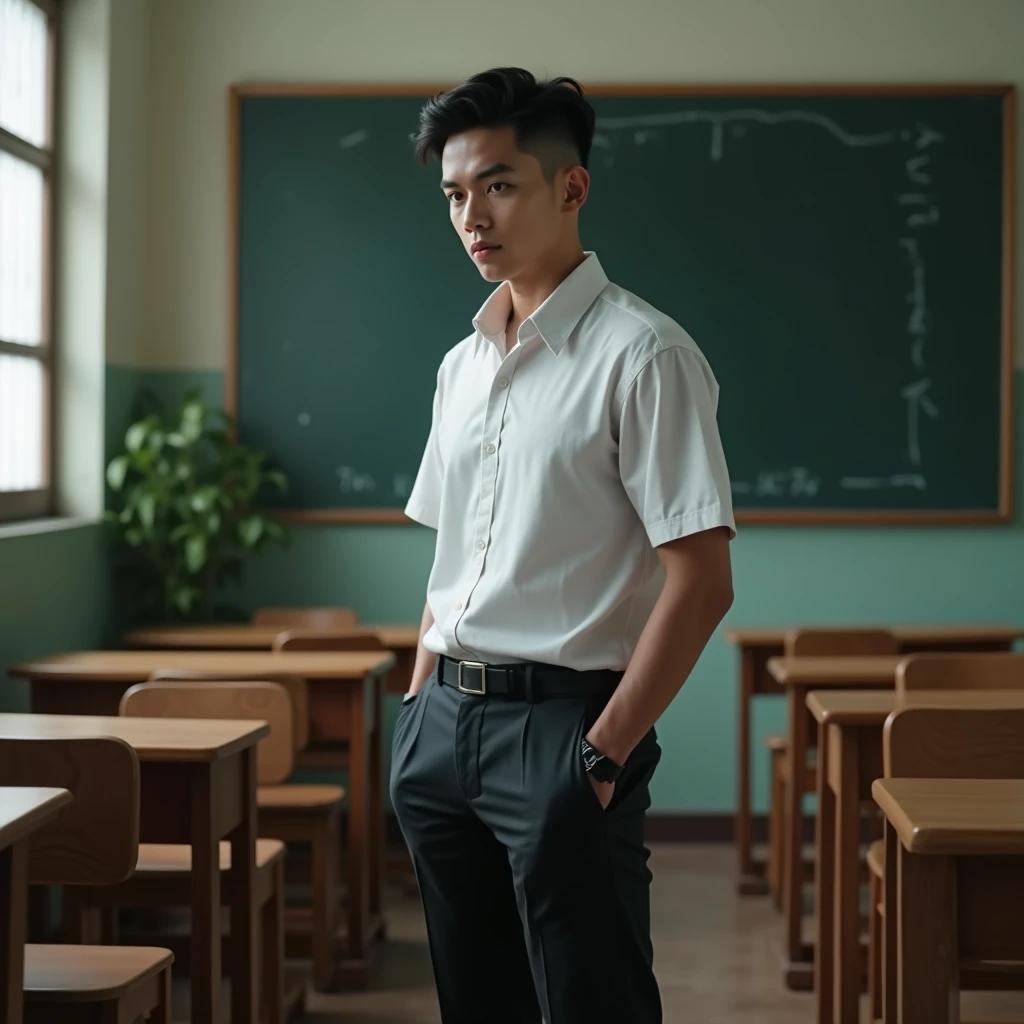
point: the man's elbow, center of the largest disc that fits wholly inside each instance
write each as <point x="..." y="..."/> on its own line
<point x="720" y="597"/>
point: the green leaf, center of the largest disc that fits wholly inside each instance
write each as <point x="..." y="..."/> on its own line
<point x="205" y="498"/>
<point x="134" y="537"/>
<point x="278" y="479"/>
<point x="175" y="439"/>
<point x="195" y="552"/>
<point x="274" y="530"/>
<point x="250" y="529"/>
<point x="147" y="510"/>
<point x="110" y="516"/>
<point x="135" y="438"/>
<point x="213" y="524"/>
<point x="116" y="472"/>
<point x="185" y="597"/>
<point x="180" y="532"/>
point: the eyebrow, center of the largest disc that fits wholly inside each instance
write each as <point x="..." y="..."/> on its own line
<point x="488" y="172"/>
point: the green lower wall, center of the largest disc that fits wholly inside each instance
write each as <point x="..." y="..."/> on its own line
<point x="53" y="597"/>
<point x="782" y="576"/>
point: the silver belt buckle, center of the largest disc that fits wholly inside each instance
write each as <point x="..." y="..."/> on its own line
<point x="483" y="678"/>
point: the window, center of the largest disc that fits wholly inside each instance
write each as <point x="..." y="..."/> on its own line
<point x="27" y="63"/>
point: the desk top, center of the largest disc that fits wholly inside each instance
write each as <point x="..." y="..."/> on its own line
<point x="909" y="636"/>
<point x="954" y="816"/>
<point x="153" y="739"/>
<point x="847" y="670"/>
<point x="873" y="707"/>
<point x="247" y="636"/>
<point x="23" y="809"/>
<point x="137" y="666"/>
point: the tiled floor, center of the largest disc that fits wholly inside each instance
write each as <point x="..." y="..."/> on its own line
<point x="715" y="954"/>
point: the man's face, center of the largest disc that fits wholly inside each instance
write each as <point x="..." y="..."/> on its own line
<point x="507" y="214"/>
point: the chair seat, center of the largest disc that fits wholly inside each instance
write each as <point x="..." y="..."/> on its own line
<point x="173" y="859"/>
<point x="876" y="858"/>
<point x="298" y="798"/>
<point x="85" y="974"/>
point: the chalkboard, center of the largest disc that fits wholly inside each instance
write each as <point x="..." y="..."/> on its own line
<point x="841" y="256"/>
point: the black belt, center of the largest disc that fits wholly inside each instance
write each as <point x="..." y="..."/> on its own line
<point x="530" y="681"/>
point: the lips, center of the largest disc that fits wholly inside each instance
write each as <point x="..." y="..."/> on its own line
<point x="481" y="248"/>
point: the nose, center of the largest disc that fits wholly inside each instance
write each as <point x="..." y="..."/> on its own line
<point x="475" y="214"/>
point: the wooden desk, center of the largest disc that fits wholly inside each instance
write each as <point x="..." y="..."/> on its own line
<point x="758" y="646"/>
<point x="344" y="702"/>
<point x="850" y="759"/>
<point x="958" y="885"/>
<point x="244" y="636"/>
<point x="197" y="786"/>
<point x="22" y="811"/>
<point x="797" y="677"/>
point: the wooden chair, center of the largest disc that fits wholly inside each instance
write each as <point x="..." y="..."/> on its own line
<point x="996" y="671"/>
<point x="307" y="618"/>
<point x="94" y="841"/>
<point x="326" y="756"/>
<point x="306" y="814"/>
<point x="809" y="643"/>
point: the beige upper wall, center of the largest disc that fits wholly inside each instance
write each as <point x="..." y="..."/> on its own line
<point x="197" y="48"/>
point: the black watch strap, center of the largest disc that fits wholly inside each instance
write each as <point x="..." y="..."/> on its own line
<point x="600" y="766"/>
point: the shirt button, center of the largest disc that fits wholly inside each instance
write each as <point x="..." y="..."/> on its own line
<point x="503" y="383"/>
<point x="480" y="545"/>
<point x="458" y="605"/>
<point x="490" y="449"/>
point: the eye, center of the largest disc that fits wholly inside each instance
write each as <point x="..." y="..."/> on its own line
<point x="503" y="185"/>
<point x="454" y="197"/>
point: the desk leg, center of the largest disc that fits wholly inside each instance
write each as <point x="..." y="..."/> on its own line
<point x="797" y="972"/>
<point x="13" y="921"/>
<point x="375" y="845"/>
<point x="358" y="828"/>
<point x="205" y="952"/>
<point x="244" y="958"/>
<point x="889" y="918"/>
<point x="846" y="756"/>
<point x="824" y="888"/>
<point x="750" y="882"/>
<point x="928" y="986"/>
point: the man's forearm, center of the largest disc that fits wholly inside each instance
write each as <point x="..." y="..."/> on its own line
<point x="425" y="660"/>
<point x="680" y="625"/>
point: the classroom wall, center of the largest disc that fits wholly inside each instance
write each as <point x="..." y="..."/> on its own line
<point x="197" y="48"/>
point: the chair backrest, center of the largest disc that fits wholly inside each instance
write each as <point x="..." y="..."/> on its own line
<point x="307" y="618"/>
<point x="954" y="743"/>
<point x="328" y="640"/>
<point x="296" y="687"/>
<point x="95" y="838"/>
<point x="269" y="702"/>
<point x="996" y="671"/>
<point x="826" y="643"/>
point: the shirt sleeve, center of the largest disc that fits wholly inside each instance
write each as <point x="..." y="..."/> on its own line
<point x="670" y="453"/>
<point x="424" y="504"/>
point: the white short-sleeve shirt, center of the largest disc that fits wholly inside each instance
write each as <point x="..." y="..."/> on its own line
<point x="552" y="472"/>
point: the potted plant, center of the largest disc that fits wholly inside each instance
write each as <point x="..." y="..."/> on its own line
<point x="184" y="509"/>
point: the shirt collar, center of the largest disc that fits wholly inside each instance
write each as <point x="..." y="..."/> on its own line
<point x="557" y="316"/>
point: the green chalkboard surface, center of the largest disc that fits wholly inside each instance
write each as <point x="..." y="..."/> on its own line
<point x="839" y="255"/>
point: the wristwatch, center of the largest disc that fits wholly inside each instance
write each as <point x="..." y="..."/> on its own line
<point x="602" y="767"/>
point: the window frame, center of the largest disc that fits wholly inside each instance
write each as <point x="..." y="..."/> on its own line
<point x="39" y="503"/>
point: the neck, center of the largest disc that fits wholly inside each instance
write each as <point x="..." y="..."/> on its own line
<point x="528" y="292"/>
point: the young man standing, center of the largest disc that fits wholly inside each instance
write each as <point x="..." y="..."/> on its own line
<point x="575" y="477"/>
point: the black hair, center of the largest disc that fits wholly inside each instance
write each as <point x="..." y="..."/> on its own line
<point x="552" y="119"/>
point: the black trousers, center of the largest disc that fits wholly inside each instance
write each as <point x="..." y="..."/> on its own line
<point x="537" y="899"/>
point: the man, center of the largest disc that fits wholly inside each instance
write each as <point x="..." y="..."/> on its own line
<point x="577" y="483"/>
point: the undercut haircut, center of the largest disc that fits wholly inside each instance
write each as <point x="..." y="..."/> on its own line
<point x="552" y="120"/>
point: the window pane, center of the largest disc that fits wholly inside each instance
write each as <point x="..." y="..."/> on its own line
<point x="21" y="423"/>
<point x="23" y="59"/>
<point x="21" y="251"/>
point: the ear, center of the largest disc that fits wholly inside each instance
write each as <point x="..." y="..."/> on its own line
<point x="575" y="189"/>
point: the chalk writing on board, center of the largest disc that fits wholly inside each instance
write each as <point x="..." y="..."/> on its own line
<point x="305" y="419"/>
<point x="353" y="139"/>
<point x="720" y="119"/>
<point x="401" y="486"/>
<point x="352" y="482"/>
<point x="919" y="321"/>
<point x="916" y="396"/>
<point x="875" y="483"/>
<point x="915" y="169"/>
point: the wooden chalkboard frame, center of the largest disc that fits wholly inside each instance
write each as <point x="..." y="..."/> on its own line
<point x="793" y="517"/>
